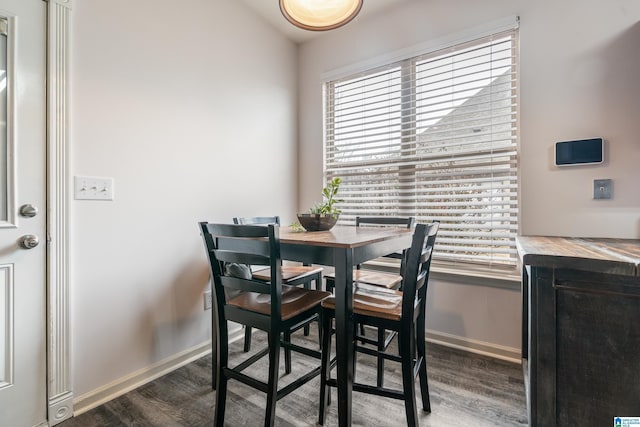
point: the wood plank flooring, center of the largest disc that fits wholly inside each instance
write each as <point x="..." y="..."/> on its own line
<point x="467" y="390"/>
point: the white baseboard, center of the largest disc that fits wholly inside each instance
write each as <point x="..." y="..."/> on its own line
<point x="509" y="354"/>
<point x="136" y="379"/>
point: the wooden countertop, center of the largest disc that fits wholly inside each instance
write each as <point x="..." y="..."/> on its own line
<point x="612" y="256"/>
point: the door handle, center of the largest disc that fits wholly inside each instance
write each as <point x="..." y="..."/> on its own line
<point x="29" y="241"/>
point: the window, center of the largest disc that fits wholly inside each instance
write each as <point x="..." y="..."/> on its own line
<point x="434" y="136"/>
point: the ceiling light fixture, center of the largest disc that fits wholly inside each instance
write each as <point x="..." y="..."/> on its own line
<point x="320" y="15"/>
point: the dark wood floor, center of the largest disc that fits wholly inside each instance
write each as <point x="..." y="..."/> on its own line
<point x="466" y="390"/>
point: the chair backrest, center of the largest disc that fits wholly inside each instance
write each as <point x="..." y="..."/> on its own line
<point x="387" y="221"/>
<point x="257" y="220"/>
<point x="418" y="265"/>
<point x="243" y="244"/>
<point x="408" y="221"/>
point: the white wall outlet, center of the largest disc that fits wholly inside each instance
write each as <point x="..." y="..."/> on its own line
<point x="207" y="300"/>
<point x="93" y="188"/>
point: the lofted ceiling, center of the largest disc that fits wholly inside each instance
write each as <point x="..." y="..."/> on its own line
<point x="270" y="11"/>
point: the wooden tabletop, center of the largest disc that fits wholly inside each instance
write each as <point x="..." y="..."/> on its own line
<point x="343" y="236"/>
<point x="614" y="256"/>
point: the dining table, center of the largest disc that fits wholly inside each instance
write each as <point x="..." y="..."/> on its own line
<point x="343" y="247"/>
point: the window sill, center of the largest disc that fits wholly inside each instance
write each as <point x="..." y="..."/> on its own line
<point x="466" y="274"/>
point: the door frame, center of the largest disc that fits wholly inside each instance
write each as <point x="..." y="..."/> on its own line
<point x="59" y="375"/>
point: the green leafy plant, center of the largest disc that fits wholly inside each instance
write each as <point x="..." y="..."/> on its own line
<point x="329" y="199"/>
<point x="296" y="226"/>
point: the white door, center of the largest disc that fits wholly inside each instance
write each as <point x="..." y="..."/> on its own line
<point x="23" y="385"/>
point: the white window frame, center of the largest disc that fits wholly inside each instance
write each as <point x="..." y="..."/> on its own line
<point x="499" y="270"/>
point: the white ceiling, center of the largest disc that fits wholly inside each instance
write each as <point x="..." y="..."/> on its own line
<point x="270" y="10"/>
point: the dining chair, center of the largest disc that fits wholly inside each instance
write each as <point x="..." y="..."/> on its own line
<point x="387" y="280"/>
<point x="399" y="311"/>
<point x="292" y="275"/>
<point x="274" y="307"/>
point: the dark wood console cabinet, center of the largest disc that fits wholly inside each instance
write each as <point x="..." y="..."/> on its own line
<point x="580" y="329"/>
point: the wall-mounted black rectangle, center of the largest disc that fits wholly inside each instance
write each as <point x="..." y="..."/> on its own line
<point x="579" y="152"/>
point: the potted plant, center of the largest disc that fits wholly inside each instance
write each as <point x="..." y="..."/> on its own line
<point x="323" y="216"/>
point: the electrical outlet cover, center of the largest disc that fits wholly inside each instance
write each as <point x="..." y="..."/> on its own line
<point x="207" y="300"/>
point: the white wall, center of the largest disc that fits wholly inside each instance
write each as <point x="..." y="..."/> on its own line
<point x="191" y="107"/>
<point x="579" y="78"/>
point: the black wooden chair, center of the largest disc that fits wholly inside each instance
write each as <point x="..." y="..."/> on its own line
<point x="400" y="311"/>
<point x="292" y="275"/>
<point x="273" y="307"/>
<point x="386" y="280"/>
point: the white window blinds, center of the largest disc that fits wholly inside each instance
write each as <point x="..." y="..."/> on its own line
<point x="434" y="137"/>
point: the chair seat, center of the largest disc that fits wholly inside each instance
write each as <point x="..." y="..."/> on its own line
<point x="295" y="300"/>
<point x="291" y="275"/>
<point x="289" y="272"/>
<point x="372" y="301"/>
<point x="376" y="278"/>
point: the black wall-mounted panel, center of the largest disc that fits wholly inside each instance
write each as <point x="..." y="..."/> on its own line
<point x="579" y="152"/>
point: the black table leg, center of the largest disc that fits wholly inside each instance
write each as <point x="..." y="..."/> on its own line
<point x="343" y="263"/>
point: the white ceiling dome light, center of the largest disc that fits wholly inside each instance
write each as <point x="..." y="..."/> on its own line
<point x="320" y="15"/>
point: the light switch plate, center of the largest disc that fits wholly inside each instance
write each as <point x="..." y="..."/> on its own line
<point x="602" y="188"/>
<point x="93" y="188"/>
